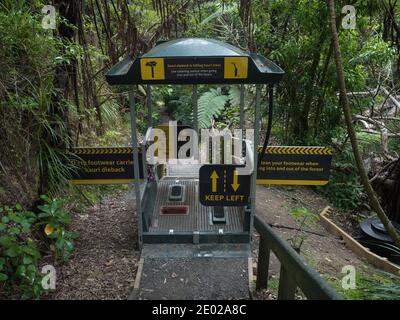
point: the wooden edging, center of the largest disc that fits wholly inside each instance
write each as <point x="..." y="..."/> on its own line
<point x="356" y="247"/>
<point x="135" y="292"/>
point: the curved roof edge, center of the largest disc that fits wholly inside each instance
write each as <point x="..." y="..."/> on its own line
<point x="195" y="61"/>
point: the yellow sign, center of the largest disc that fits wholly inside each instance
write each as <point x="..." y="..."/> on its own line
<point x="235" y="67"/>
<point x="152" y="68"/>
<point x="291" y="165"/>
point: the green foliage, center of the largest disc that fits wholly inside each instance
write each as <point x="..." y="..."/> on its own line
<point x="19" y="253"/>
<point x="304" y="219"/>
<point x="56" y="220"/>
<point x="181" y="108"/>
<point x="344" y="189"/>
<point x="20" y="245"/>
<point x="28" y="57"/>
<point x="378" y="285"/>
<point x="210" y="104"/>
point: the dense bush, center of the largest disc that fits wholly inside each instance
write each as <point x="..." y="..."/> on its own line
<point x="23" y="237"/>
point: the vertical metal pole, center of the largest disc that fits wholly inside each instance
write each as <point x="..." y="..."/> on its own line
<point x="149" y="106"/>
<point x="136" y="174"/>
<point x="256" y="142"/>
<point x="194" y="103"/>
<point x="242" y="107"/>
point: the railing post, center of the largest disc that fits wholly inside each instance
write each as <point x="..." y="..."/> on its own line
<point x="287" y="285"/>
<point x="263" y="264"/>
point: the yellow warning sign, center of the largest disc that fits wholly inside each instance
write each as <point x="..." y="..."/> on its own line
<point x="235" y="67"/>
<point x="152" y="68"/>
<point x="291" y="165"/>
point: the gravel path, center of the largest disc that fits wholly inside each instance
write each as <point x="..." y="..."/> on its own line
<point x="105" y="259"/>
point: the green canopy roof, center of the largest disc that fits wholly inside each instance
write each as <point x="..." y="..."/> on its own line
<point x="194" y="61"/>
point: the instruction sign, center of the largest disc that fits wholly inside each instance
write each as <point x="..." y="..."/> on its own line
<point x="200" y="68"/>
<point x="221" y="185"/>
<point x="104" y="166"/>
<point x="194" y="68"/>
<point x="295" y="166"/>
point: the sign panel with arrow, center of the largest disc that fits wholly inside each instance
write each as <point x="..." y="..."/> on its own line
<point x="221" y="185"/>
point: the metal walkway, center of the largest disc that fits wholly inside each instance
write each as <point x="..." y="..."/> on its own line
<point x="183" y="170"/>
<point x="198" y="217"/>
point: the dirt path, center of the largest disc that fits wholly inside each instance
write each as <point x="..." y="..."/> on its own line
<point x="325" y="253"/>
<point x="104" y="263"/>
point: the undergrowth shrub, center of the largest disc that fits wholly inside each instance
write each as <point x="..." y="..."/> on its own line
<point x="24" y="236"/>
<point x="19" y="254"/>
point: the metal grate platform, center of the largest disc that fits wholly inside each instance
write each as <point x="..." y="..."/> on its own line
<point x="183" y="170"/>
<point x="198" y="217"/>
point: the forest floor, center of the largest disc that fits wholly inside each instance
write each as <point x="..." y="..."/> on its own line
<point x="105" y="260"/>
<point x="323" y="251"/>
<point x="104" y="263"/>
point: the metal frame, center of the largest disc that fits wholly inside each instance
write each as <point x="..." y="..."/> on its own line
<point x="149" y="107"/>
<point x="203" y="237"/>
<point x="241" y="123"/>
<point x="136" y="167"/>
<point x="255" y="157"/>
<point x="195" y="111"/>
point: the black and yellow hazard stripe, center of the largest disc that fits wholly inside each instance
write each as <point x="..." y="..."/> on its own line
<point x="297" y="150"/>
<point x="108" y="150"/>
<point x="293" y="182"/>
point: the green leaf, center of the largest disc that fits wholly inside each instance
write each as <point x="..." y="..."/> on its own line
<point x="68" y="246"/>
<point x="14" y="231"/>
<point x="31" y="272"/>
<point x="13" y="251"/>
<point x="18" y="207"/>
<point x="6" y="241"/>
<point x="21" y="271"/>
<point x="3" y="277"/>
<point x="44" y="215"/>
<point x="210" y="104"/>
<point x="5" y="219"/>
<point x="29" y="250"/>
<point x="26" y="226"/>
<point x="14" y="217"/>
<point x="59" y="243"/>
<point x="27" y="260"/>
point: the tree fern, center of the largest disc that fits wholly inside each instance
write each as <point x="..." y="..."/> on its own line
<point x="234" y="96"/>
<point x="210" y="104"/>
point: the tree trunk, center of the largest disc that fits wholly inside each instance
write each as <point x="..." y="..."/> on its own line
<point x="373" y="199"/>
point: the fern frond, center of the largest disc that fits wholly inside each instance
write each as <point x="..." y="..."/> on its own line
<point x="210" y="104"/>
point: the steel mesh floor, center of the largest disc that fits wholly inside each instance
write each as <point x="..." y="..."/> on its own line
<point x="182" y="171"/>
<point x="198" y="217"/>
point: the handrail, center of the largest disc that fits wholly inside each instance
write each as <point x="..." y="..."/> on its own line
<point x="294" y="270"/>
